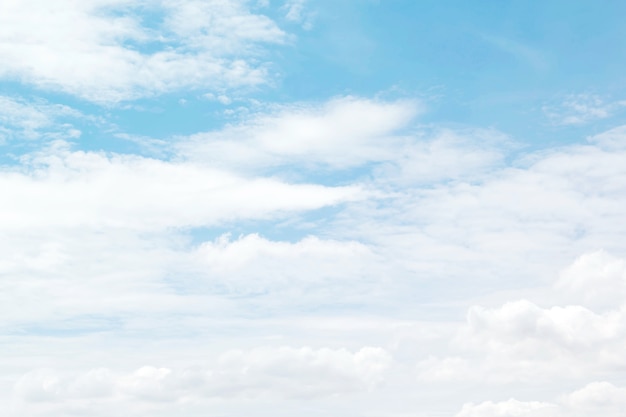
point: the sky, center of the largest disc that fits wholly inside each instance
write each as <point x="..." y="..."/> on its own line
<point x="364" y="208"/>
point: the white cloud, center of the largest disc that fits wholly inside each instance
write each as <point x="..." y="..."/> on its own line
<point x="595" y="399"/>
<point x="531" y="331"/>
<point x="23" y="120"/>
<point x="579" y="109"/>
<point x="295" y="11"/>
<point x="95" y="190"/>
<point x="446" y="155"/>
<point x="278" y="372"/>
<point x="596" y="280"/>
<point x="102" y="51"/>
<point x="520" y="341"/>
<point x="612" y="139"/>
<point x="311" y="268"/>
<point x="103" y="248"/>
<point x="341" y="133"/>
<point x="510" y="408"/>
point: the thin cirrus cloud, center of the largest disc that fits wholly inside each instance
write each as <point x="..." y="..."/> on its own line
<point x="581" y="109"/>
<point x="22" y="120"/>
<point x="105" y="51"/>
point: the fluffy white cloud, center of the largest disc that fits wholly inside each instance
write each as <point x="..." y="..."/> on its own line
<point x="254" y="265"/>
<point x="277" y="372"/>
<point x="570" y="327"/>
<point x="521" y="341"/>
<point x="510" y="408"/>
<point x="596" y="280"/>
<point x="104" y="51"/>
<point x="595" y="399"/>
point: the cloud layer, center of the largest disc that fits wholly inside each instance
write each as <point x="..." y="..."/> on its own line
<point x="106" y="51"/>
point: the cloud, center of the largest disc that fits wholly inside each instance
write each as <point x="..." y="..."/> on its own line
<point x="510" y="408"/>
<point x="341" y="133"/>
<point x="580" y="109"/>
<point x="90" y="189"/>
<point x="295" y="11"/>
<point x="596" y="280"/>
<point x="521" y="341"/>
<point x="612" y="139"/>
<point x="298" y="273"/>
<point x="275" y="371"/>
<point x="134" y="254"/>
<point x="104" y="51"/>
<point x="444" y="155"/>
<point x="530" y="331"/>
<point x="23" y="120"/>
<point x="597" y="398"/>
<point x="525" y="53"/>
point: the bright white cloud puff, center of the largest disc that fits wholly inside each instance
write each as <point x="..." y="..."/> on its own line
<point x="107" y="51"/>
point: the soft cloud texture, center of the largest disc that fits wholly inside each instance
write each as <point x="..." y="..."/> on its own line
<point x="296" y="208"/>
<point x="89" y="189"/>
<point x="106" y="51"/>
<point x="22" y="120"/>
<point x="597" y="398"/>
<point x="580" y="109"/>
<point x="257" y="374"/>
<point x="341" y="133"/>
<point x="94" y="249"/>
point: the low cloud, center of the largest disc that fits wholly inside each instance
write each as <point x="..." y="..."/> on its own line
<point x="285" y="372"/>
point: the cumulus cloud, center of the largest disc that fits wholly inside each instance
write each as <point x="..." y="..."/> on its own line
<point x="522" y="341"/>
<point x="278" y="372"/>
<point x="596" y="280"/>
<point x="104" y="51"/>
<point x="510" y="408"/>
<point x="597" y="398"/>
<point x="255" y="265"/>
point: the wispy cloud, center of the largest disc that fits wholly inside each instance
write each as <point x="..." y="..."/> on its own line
<point x="523" y="52"/>
<point x="28" y="120"/>
<point x="580" y="109"/>
<point x="296" y="11"/>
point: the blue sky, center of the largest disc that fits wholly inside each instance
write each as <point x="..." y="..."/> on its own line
<point x="365" y="208"/>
